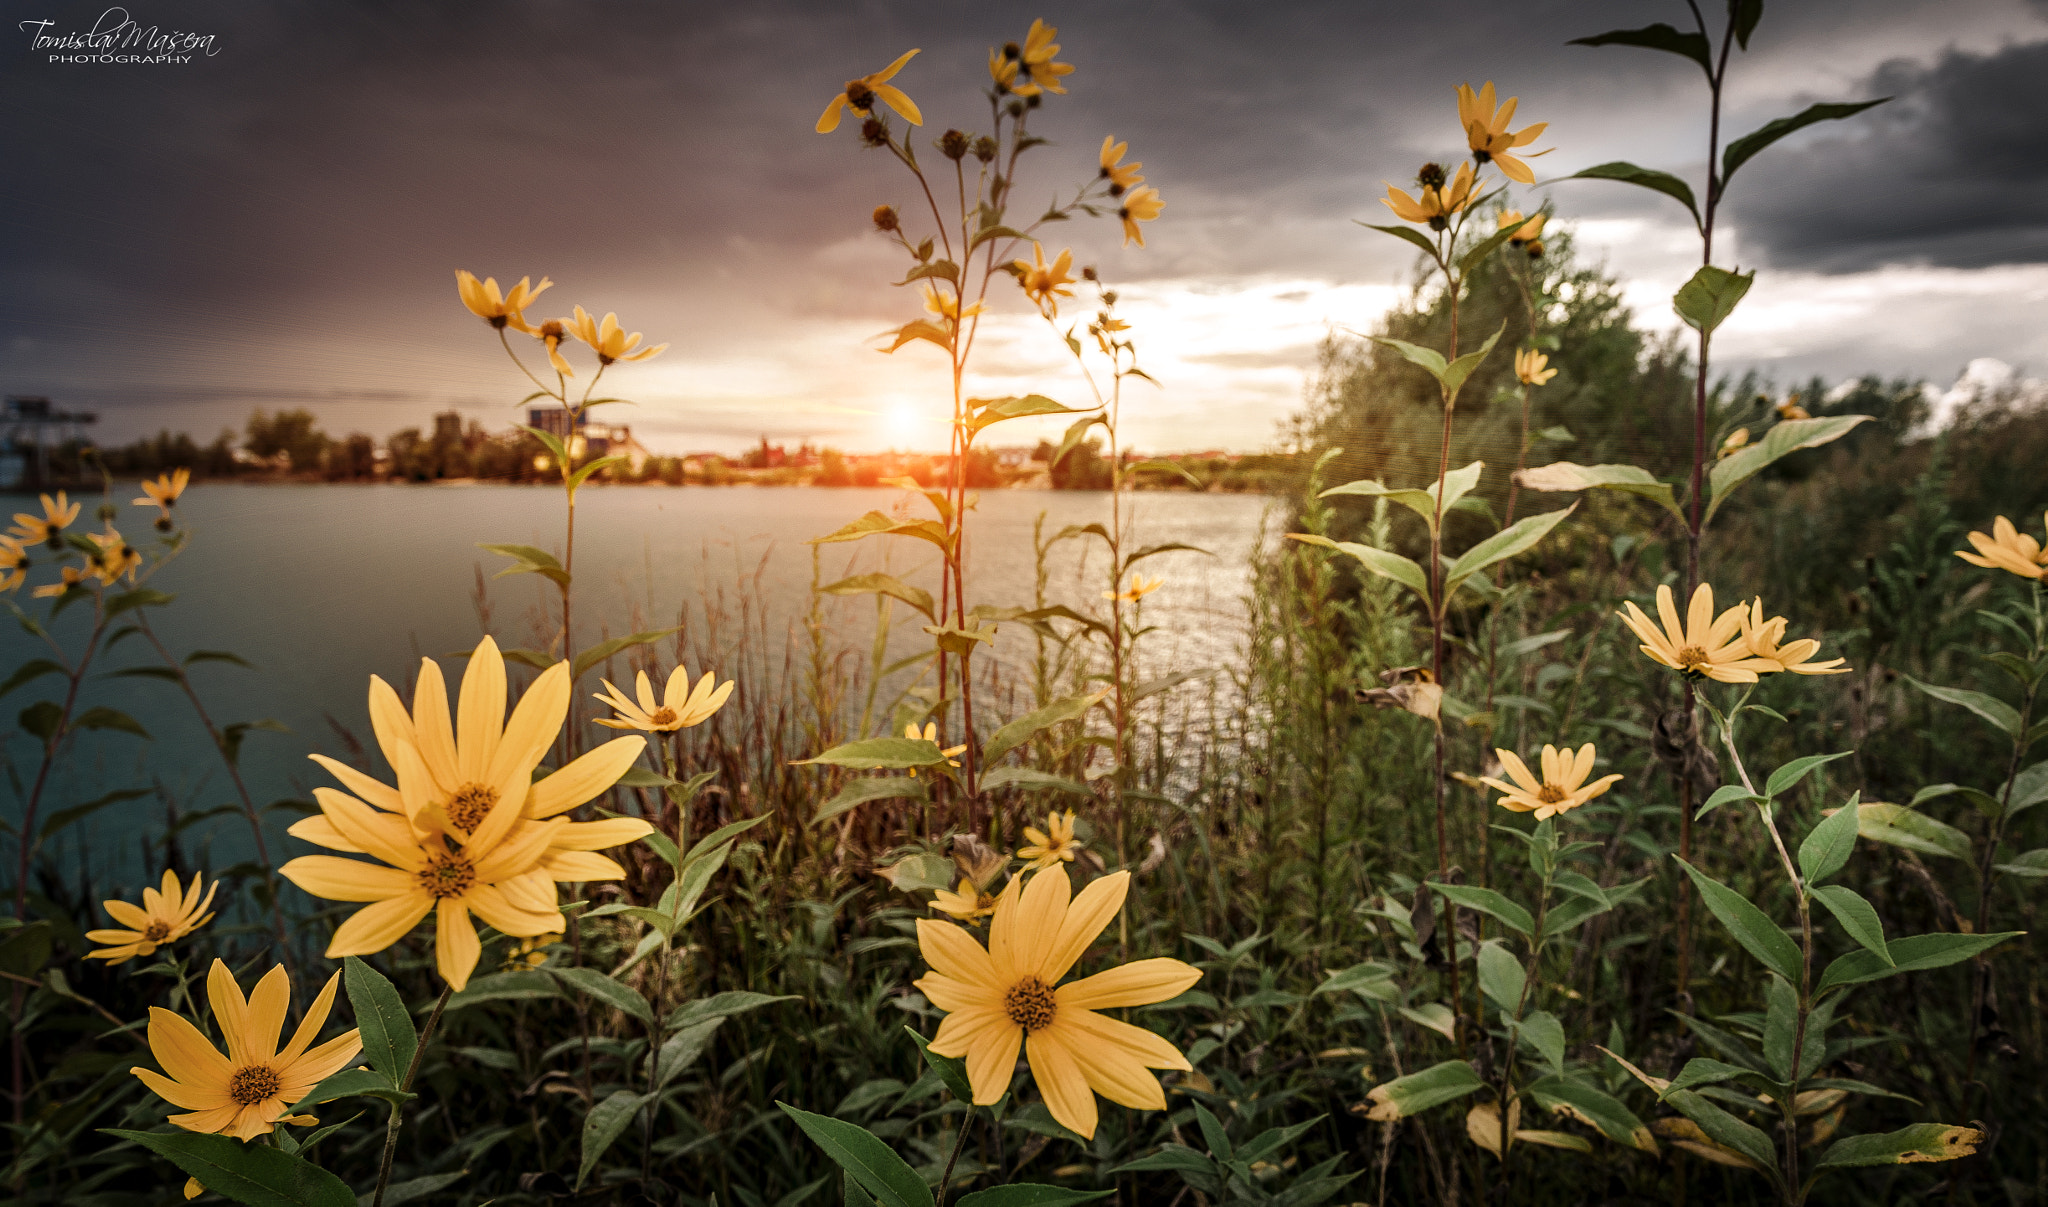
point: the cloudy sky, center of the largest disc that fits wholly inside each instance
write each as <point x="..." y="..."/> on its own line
<point x="277" y="223"/>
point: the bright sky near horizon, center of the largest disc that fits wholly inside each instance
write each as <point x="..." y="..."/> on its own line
<point x="276" y="223"/>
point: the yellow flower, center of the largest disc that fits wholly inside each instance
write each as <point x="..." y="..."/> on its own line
<point x="1120" y="175"/>
<point x="1034" y="62"/>
<point x="13" y="564"/>
<point x="57" y="514"/>
<point x="68" y="578"/>
<point x="164" y="492"/>
<point x="947" y="306"/>
<point x="931" y="734"/>
<point x="1045" y="283"/>
<point x="1140" y="205"/>
<point x="966" y="903"/>
<point x="1763" y="638"/>
<point x="162" y="919"/>
<point x="116" y="557"/>
<point x="1733" y="444"/>
<point x="1529" y="368"/>
<point x="1704" y="646"/>
<point x="1486" y="132"/>
<point x="1531" y="229"/>
<point x="1562" y="788"/>
<point x="2007" y="548"/>
<point x="680" y="706"/>
<point x="607" y="340"/>
<point x="1138" y="589"/>
<point x="1440" y="199"/>
<point x="861" y="94"/>
<point x="552" y="333"/>
<point x="499" y="310"/>
<point x="1054" y="844"/>
<point x="1008" y="996"/>
<point x="246" y="1092"/>
<point x="467" y="829"/>
<point x="1790" y="408"/>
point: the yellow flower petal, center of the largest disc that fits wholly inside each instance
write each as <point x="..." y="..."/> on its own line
<point x="1085" y="918"/>
<point x="183" y="1052"/>
<point x="1061" y="1082"/>
<point x="480" y="711"/>
<point x="1138" y="983"/>
<point x="584" y="777"/>
<point x="456" y="948"/>
<point x="376" y="927"/>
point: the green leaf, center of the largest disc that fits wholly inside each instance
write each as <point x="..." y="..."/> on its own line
<point x="1828" y="845"/>
<point x="702" y="848"/>
<point x="1743" y="15"/>
<point x="354" y="1083"/>
<point x="141" y="597"/>
<point x="1486" y="901"/>
<point x="504" y="986"/>
<point x="1701" y="1070"/>
<point x="1991" y="708"/>
<point x="1782" y="439"/>
<point x="1406" y="234"/>
<point x="1902" y="827"/>
<point x="1168" y="467"/>
<point x="1429" y="358"/>
<point x="865" y="1159"/>
<point x="1501" y="977"/>
<point x="1726" y="1130"/>
<point x="623" y="998"/>
<point x="884" y="584"/>
<point x="1417" y="1092"/>
<point x="1660" y="182"/>
<point x="109" y="718"/>
<point x="1024" y="1194"/>
<point x="1379" y="561"/>
<point x="1373" y="980"/>
<point x="1913" y="953"/>
<point x="722" y="1005"/>
<point x="389" y="1039"/>
<point x="1213" y="1134"/>
<point x="1739" y="152"/>
<point x="1756" y="932"/>
<point x="1453" y="486"/>
<point x="880" y="753"/>
<point x="1167" y="547"/>
<point x="876" y="523"/>
<point x="1919" y="1142"/>
<point x="1662" y="37"/>
<point x="1487" y="246"/>
<point x="1857" y="917"/>
<point x="1562" y="476"/>
<point x="254" y="1174"/>
<point x="1798" y="769"/>
<point x="683" y="1049"/>
<point x="41" y="720"/>
<point x="1455" y="374"/>
<point x="2032" y="864"/>
<point x="1544" y="1033"/>
<point x="945" y="270"/>
<point x="1029" y="780"/>
<point x="952" y="1070"/>
<point x="64" y="817"/>
<point x="860" y="791"/>
<point x="28" y="672"/>
<point x="1706" y="301"/>
<point x="1502" y="545"/>
<point x="1020" y="731"/>
<point x="420" y="1188"/>
<point x="528" y="559"/>
<point x="603" y="1125"/>
<point x="580" y="476"/>
<point x="2029" y="788"/>
<point x="1723" y="795"/>
<point x="1075" y="431"/>
<point x="605" y="649"/>
<point x="986" y="412"/>
<point x="1569" y="1096"/>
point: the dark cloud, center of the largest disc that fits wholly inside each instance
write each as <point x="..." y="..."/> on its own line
<point x="283" y="218"/>
<point x="1951" y="172"/>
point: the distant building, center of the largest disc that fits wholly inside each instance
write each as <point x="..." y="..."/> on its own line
<point x="30" y="425"/>
<point x="585" y="438"/>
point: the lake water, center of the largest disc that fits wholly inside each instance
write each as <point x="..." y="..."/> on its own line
<point x="322" y="586"/>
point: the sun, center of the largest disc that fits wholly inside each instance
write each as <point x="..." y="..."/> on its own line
<point x="902" y="423"/>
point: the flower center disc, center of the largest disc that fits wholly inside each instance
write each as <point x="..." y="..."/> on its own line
<point x="470" y="805"/>
<point x="252" y="1084"/>
<point x="157" y="932"/>
<point x="447" y="877"/>
<point x="1692" y="659"/>
<point x="666" y="716"/>
<point x="1030" y="1004"/>
<point x="1550" y="794"/>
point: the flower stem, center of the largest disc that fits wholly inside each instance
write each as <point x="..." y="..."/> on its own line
<point x="959" y="1142"/>
<point x="411" y="1070"/>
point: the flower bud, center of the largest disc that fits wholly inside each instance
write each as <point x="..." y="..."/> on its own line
<point x="1034" y="100"/>
<point x="874" y="133"/>
<point x="1088" y="274"/>
<point x="885" y="218"/>
<point x="1432" y="176"/>
<point x="953" y="145"/>
<point x="985" y="148"/>
<point x="1015" y="108"/>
